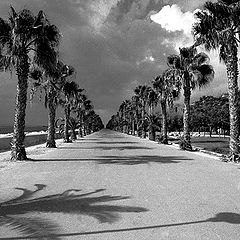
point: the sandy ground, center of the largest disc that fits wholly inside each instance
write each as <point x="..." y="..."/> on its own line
<point x="113" y="186"/>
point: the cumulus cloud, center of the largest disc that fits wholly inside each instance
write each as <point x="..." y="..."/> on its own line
<point x="173" y="19"/>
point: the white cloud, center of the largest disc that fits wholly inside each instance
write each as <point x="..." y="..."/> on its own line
<point x="173" y="19"/>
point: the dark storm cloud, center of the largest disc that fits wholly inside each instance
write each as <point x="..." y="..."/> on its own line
<point x="113" y="45"/>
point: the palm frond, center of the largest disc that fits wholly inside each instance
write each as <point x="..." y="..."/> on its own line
<point x="13" y="12"/>
<point x="173" y="61"/>
<point x="7" y="63"/>
<point x="39" y="21"/>
<point x="217" y="8"/>
<point x="201" y="58"/>
<point x="36" y="73"/>
<point x="24" y="23"/>
<point x="45" y="56"/>
<point x="229" y="2"/>
<point x="207" y="72"/>
<point x="5" y="32"/>
<point x="32" y="227"/>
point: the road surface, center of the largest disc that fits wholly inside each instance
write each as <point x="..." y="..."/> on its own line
<point x="114" y="186"/>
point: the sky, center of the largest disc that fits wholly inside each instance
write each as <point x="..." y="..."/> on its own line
<point x="114" y="45"/>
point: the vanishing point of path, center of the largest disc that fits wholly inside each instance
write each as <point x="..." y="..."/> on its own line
<point x="114" y="186"/>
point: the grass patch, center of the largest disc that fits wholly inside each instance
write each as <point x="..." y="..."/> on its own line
<point x="214" y="144"/>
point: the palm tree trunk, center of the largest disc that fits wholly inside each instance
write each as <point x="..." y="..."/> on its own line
<point x="66" y="125"/>
<point x="152" y="133"/>
<point x="163" y="105"/>
<point x="232" y="73"/>
<point x="80" y="131"/>
<point x="51" y="119"/>
<point x="137" y="123"/>
<point x="74" y="135"/>
<point x="18" y="151"/>
<point x="186" y="114"/>
<point x="144" y="133"/>
<point x="133" y="127"/>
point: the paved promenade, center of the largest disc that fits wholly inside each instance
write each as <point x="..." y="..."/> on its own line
<point x="114" y="186"/>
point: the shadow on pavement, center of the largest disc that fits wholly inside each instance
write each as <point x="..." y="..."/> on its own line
<point x="87" y="139"/>
<point x="123" y="160"/>
<point x="134" y="160"/>
<point x="116" y="143"/>
<point x="13" y="212"/>
<point x="226" y="217"/>
<point x="107" y="148"/>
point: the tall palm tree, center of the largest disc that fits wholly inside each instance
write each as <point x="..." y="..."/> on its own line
<point x="152" y="101"/>
<point x="217" y="27"/>
<point x="133" y="114"/>
<point x="142" y="92"/>
<point x="25" y="38"/>
<point x="84" y="108"/>
<point x="154" y="123"/>
<point x="136" y="105"/>
<point x="167" y="89"/>
<point x="192" y="70"/>
<point x="70" y="91"/>
<point x="52" y="82"/>
<point x="123" y="115"/>
<point x="43" y="83"/>
<point x="58" y="77"/>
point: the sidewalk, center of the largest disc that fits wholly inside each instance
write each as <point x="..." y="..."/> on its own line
<point x="114" y="186"/>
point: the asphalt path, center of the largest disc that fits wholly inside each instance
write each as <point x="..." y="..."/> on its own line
<point x="109" y="185"/>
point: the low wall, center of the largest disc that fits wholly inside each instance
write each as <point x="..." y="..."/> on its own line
<point x="30" y="140"/>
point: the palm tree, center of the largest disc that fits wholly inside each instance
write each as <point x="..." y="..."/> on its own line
<point x="135" y="108"/>
<point x="43" y="83"/>
<point x="167" y="89"/>
<point x="70" y="91"/>
<point x="91" y="119"/>
<point x="52" y="82"/>
<point x="217" y="27"/>
<point x="153" y="125"/>
<point x="113" y="123"/>
<point x="192" y="70"/>
<point x="142" y="92"/>
<point x="58" y="77"/>
<point x="132" y="110"/>
<point x="152" y="101"/>
<point x="25" y="38"/>
<point x="84" y="106"/>
<point x="123" y="115"/>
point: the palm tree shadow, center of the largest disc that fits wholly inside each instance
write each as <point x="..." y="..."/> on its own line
<point x="144" y="159"/>
<point x="226" y="217"/>
<point x="12" y="212"/>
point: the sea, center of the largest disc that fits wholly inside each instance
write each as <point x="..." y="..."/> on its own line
<point x="4" y="129"/>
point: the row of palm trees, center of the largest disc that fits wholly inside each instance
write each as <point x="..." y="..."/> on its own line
<point x="29" y="48"/>
<point x="216" y="28"/>
<point x="78" y="109"/>
<point x="185" y="72"/>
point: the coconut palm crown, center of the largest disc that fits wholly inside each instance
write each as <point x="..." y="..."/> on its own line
<point x="24" y="39"/>
<point x="217" y="27"/>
